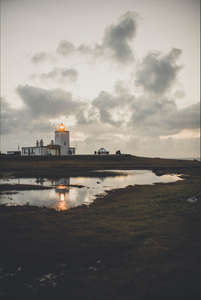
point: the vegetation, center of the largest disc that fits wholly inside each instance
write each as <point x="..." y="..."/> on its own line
<point x="141" y="242"/>
<point x="80" y="164"/>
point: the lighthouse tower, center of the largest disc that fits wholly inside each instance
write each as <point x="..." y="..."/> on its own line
<point x="62" y="139"/>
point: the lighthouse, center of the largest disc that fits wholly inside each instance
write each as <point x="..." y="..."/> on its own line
<point x="62" y="139"/>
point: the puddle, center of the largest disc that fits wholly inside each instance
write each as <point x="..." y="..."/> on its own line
<point x="192" y="199"/>
<point x="63" y="197"/>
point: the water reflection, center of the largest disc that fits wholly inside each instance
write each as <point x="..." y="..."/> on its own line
<point x="40" y="180"/>
<point x="63" y="195"/>
<point x="62" y="205"/>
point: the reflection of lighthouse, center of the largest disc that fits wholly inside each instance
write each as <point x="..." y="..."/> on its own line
<point x="62" y="196"/>
<point x="62" y="188"/>
<point x="62" y="203"/>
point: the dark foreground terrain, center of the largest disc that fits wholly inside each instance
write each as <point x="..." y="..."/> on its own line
<point x="140" y="242"/>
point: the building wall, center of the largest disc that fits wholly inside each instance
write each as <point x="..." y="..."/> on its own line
<point x="53" y="151"/>
<point x="62" y="139"/>
<point x="34" y="150"/>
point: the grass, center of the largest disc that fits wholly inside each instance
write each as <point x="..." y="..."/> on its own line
<point x="46" y="165"/>
<point x="141" y="242"/>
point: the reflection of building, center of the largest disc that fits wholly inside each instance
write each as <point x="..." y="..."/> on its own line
<point x="62" y="181"/>
<point x="40" y="180"/>
<point x="60" y="145"/>
<point x="62" y="185"/>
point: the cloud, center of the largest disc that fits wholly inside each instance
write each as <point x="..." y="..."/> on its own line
<point x="160" y="117"/>
<point x="41" y="57"/>
<point x="83" y="119"/>
<point x="157" y="147"/>
<point x="118" y="36"/>
<point x="104" y="103"/>
<point x="39" y="107"/>
<point x="48" y="103"/>
<point x="186" y="118"/>
<point x="116" y="43"/>
<point x="93" y="140"/>
<point x="7" y="117"/>
<point x="157" y="73"/>
<point x="59" y="74"/>
<point x="65" y="48"/>
<point x="179" y="94"/>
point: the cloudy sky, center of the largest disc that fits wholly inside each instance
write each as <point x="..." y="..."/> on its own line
<point x="123" y="75"/>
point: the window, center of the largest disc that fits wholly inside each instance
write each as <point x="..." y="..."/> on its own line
<point x="65" y="143"/>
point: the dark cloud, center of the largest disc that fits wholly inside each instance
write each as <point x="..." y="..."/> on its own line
<point x="7" y="117"/>
<point x="158" y="73"/>
<point x="116" y="43"/>
<point x="15" y="120"/>
<point x="48" y="103"/>
<point x="162" y="117"/>
<point x="117" y="37"/>
<point x="105" y="102"/>
<point x="59" y="74"/>
<point x="82" y="119"/>
<point x="65" y="48"/>
<point x="186" y="118"/>
<point x="39" y="106"/>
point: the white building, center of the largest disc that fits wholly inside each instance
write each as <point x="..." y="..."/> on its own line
<point x="60" y="145"/>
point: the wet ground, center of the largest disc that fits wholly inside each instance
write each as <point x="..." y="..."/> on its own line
<point x="139" y="242"/>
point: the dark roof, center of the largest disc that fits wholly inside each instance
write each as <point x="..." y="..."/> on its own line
<point x="53" y="146"/>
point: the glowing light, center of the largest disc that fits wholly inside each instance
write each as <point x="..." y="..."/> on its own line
<point x="62" y="196"/>
<point x="61" y="127"/>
